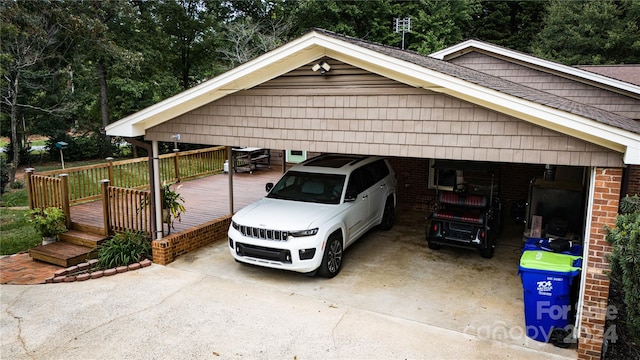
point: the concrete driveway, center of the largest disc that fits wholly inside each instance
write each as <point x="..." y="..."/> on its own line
<point x="393" y="299"/>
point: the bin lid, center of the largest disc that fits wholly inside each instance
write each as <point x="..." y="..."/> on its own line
<point x="549" y="261"/>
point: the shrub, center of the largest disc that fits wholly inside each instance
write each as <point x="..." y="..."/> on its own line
<point x="17" y="185"/>
<point x="48" y="222"/>
<point x="4" y="174"/>
<point x="124" y="249"/>
<point x="625" y="260"/>
<point x="92" y="145"/>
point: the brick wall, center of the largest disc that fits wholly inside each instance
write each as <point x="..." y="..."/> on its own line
<point x="596" y="295"/>
<point x="167" y="249"/>
<point x="633" y="186"/>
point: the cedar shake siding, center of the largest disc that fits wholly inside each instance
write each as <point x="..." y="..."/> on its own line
<point x="370" y="114"/>
<point x="570" y="89"/>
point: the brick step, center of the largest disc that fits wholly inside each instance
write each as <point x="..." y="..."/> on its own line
<point x="62" y="253"/>
<point x="82" y="238"/>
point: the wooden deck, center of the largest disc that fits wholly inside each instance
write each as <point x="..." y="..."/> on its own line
<point x="205" y="198"/>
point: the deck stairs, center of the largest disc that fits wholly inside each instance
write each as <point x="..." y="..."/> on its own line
<point x="73" y="246"/>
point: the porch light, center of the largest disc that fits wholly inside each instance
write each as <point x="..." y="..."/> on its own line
<point x="176" y="138"/>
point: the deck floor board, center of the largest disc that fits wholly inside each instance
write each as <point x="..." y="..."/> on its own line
<point x="206" y="198"/>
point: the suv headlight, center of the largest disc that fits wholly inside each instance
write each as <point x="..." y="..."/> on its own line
<point x="235" y="225"/>
<point x="302" y="233"/>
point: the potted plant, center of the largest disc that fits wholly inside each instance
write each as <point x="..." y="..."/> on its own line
<point x="172" y="204"/>
<point x="49" y="222"/>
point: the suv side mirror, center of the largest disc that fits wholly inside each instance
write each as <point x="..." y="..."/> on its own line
<point x="350" y="196"/>
<point x="268" y="187"/>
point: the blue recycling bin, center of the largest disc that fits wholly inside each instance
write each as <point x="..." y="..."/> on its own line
<point x="543" y="244"/>
<point x="546" y="281"/>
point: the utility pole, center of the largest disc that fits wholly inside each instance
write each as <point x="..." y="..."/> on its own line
<point x="404" y="26"/>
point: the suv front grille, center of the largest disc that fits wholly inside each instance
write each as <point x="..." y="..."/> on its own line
<point x="265" y="234"/>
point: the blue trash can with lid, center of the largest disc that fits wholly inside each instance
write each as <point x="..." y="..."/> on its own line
<point x="546" y="281"/>
<point x="557" y="245"/>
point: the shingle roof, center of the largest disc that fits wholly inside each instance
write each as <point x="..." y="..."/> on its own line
<point x="629" y="72"/>
<point x="495" y="83"/>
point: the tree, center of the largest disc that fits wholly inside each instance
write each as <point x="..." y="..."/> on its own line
<point x="193" y="30"/>
<point x="591" y="32"/>
<point x="29" y="40"/>
<point x="512" y="24"/>
<point x="435" y="24"/>
<point x="255" y="28"/>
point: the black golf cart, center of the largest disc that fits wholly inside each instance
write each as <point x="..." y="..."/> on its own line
<point x="467" y="210"/>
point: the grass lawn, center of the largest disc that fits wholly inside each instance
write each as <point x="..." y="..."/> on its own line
<point x="11" y="198"/>
<point x="17" y="234"/>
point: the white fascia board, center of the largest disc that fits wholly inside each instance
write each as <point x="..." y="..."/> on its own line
<point x="573" y="125"/>
<point x="469" y="45"/>
<point x="268" y="66"/>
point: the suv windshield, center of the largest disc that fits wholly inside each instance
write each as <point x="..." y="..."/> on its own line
<point x="309" y="187"/>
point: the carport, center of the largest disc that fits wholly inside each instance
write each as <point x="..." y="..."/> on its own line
<point x="380" y="100"/>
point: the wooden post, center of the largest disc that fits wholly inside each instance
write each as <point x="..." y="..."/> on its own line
<point x="110" y="169"/>
<point x="64" y="198"/>
<point x="27" y="178"/>
<point x="176" y="168"/>
<point x="104" y="184"/>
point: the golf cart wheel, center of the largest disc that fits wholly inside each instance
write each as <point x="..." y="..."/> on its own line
<point x="487" y="253"/>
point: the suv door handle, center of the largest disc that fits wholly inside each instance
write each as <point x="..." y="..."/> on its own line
<point x="382" y="185"/>
<point x="364" y="197"/>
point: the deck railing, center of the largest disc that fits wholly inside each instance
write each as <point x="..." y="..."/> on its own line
<point x="127" y="189"/>
<point x="84" y="181"/>
<point x="126" y="209"/>
<point x="45" y="191"/>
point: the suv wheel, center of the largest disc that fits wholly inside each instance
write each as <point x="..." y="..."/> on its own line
<point x="388" y="216"/>
<point x="332" y="260"/>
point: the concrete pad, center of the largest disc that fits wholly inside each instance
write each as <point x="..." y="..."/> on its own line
<point x="393" y="299"/>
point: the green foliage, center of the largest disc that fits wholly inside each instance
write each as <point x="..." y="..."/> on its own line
<point x="625" y="259"/>
<point x="172" y="201"/>
<point x="4" y="175"/>
<point x="512" y="24"/>
<point x="123" y="249"/>
<point x="15" y="198"/>
<point x="17" y="234"/>
<point x="17" y="185"/>
<point x="48" y="222"/>
<point x="90" y="145"/>
<point x="591" y="32"/>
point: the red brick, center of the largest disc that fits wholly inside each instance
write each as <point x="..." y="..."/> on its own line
<point x="70" y="278"/>
<point x="60" y="272"/>
<point x="83" y="277"/>
<point x="121" y="269"/>
<point x="110" y="272"/>
<point x="134" y="266"/>
<point x="59" y="279"/>
<point x="97" y="274"/>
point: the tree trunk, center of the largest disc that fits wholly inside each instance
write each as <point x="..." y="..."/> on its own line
<point x="104" y="103"/>
<point x="15" y="138"/>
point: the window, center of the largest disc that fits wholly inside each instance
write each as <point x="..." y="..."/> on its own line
<point x="446" y="178"/>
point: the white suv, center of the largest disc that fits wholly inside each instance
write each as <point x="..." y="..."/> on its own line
<point x="317" y="209"/>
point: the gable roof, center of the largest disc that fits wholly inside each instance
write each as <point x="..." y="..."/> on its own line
<point x="627" y="72"/>
<point x="550" y="111"/>
<point x="577" y="72"/>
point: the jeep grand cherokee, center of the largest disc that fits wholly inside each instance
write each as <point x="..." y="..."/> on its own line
<point x="316" y="210"/>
